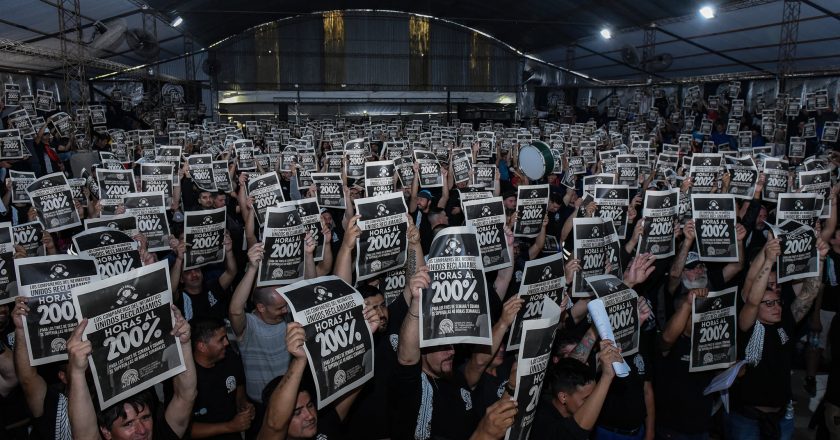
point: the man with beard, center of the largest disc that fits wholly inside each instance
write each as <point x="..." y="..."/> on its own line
<point x="688" y="272"/>
<point x="200" y="298"/>
<point x="430" y="397"/>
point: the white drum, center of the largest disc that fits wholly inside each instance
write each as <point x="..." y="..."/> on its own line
<point x="536" y="160"/>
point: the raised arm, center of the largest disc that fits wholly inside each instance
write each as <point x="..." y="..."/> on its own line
<point x="324" y="267"/>
<point x="480" y="359"/>
<point x="680" y="321"/>
<point x="309" y="246"/>
<point x="408" y="352"/>
<point x="179" y="410"/>
<point x="537" y="247"/>
<point x="415" y="187"/>
<point x="831" y="224"/>
<point x="80" y="409"/>
<point x="34" y="386"/>
<point x="678" y="264"/>
<point x="811" y="287"/>
<point x="282" y="403"/>
<point x="732" y="269"/>
<point x="344" y="259"/>
<point x="236" y="310"/>
<point x="175" y="271"/>
<point x="749" y="313"/>
<point x="226" y="278"/>
<point x="587" y="414"/>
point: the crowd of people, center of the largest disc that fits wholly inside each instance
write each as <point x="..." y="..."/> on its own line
<point x="247" y="373"/>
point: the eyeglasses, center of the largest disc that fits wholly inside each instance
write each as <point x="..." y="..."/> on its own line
<point x="773" y="302"/>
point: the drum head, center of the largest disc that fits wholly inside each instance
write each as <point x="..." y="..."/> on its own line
<point x="532" y="162"/>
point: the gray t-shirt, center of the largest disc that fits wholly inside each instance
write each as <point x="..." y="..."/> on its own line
<point x="264" y="354"/>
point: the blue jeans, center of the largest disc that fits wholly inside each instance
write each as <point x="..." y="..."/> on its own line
<point x="663" y="433"/>
<point x="739" y="427"/>
<point x="603" y="434"/>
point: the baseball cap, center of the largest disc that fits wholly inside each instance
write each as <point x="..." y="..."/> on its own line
<point x="692" y="260"/>
<point x="425" y="194"/>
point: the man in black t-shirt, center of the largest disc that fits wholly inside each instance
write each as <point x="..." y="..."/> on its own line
<point x="574" y="401"/>
<point x="199" y="298"/>
<point x="221" y="409"/>
<point x="135" y="417"/>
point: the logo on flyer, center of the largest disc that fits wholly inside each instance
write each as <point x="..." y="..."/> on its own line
<point x="58" y="344"/>
<point x="340" y="378"/>
<point x="129" y="378"/>
<point x="59" y="271"/>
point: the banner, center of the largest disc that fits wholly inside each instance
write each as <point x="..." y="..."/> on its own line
<point x="29" y="235"/>
<point x="533" y="359"/>
<point x="405" y="170"/>
<point x="46" y="283"/>
<point x="52" y="198"/>
<point x="150" y="211"/>
<point x="776" y="178"/>
<point x="541" y="284"/>
<point x="704" y="171"/>
<point x="487" y="215"/>
<point x="379" y="178"/>
<point x="114" y="185"/>
<point x="801" y="207"/>
<point x="455" y="308"/>
<point x="115" y="251"/>
<point x="11" y="145"/>
<point x="659" y="212"/>
<point x="818" y="181"/>
<point x="283" y="237"/>
<point x="622" y="305"/>
<point x="339" y="344"/>
<point x="310" y="216"/>
<point x="266" y="191"/>
<point x="20" y="181"/>
<point x="799" y="258"/>
<point x="392" y="285"/>
<point x="531" y="207"/>
<point x="129" y="326"/>
<point x="713" y="329"/>
<point x="156" y="177"/>
<point x="628" y="170"/>
<point x="589" y="250"/>
<point x="329" y="189"/>
<point x="245" y="155"/>
<point x="383" y="243"/>
<point x="613" y="202"/>
<point x="430" y="176"/>
<point x="461" y="165"/>
<point x="484" y="175"/>
<point x="743" y="176"/>
<point x="201" y="171"/>
<point x="126" y="223"/>
<point x="221" y="176"/>
<point x="7" y="263"/>
<point x="205" y="232"/>
<point x="715" y="219"/>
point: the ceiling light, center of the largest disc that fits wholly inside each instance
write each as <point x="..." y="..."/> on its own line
<point x="707" y="12"/>
<point x="606" y="33"/>
<point x="177" y="21"/>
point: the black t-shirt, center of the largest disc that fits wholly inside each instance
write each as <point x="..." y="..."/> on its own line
<point x="372" y="402"/>
<point x="422" y="404"/>
<point x="549" y="424"/>
<point x="422" y="221"/>
<point x="768" y="383"/>
<point x="680" y="403"/>
<point x="54" y="422"/>
<point x="162" y="430"/>
<point x="832" y="391"/>
<point x="216" y="399"/>
<point x="211" y="302"/>
<point x="329" y="425"/>
<point x="624" y="407"/>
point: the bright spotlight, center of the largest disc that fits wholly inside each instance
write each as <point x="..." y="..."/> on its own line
<point x="177" y="21"/>
<point x="707" y="12"/>
<point x="606" y="33"/>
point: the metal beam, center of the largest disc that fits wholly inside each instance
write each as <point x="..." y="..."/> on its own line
<point x="45" y="36"/>
<point x="825" y="11"/>
<point x="617" y="61"/>
<point x="788" y="38"/>
<point x="712" y="51"/>
<point x="72" y="53"/>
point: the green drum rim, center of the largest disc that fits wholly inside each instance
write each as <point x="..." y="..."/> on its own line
<point x="548" y="158"/>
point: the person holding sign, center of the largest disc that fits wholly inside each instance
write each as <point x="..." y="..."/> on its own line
<point x="574" y="401"/>
<point x="200" y="298"/>
<point x="131" y="418"/>
<point x="682" y="409"/>
<point x="760" y="399"/>
<point x="450" y="411"/>
<point x="291" y="411"/>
